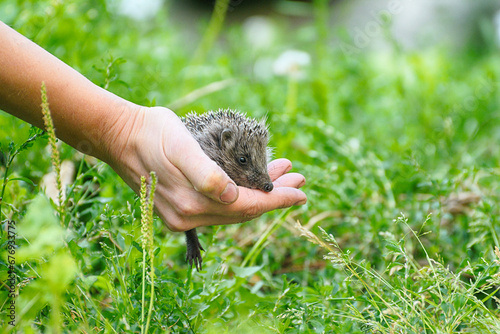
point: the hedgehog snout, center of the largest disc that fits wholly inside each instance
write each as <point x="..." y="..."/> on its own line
<point x="268" y="187"/>
<point x="265" y="183"/>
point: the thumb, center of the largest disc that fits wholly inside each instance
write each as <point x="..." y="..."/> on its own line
<point x="203" y="173"/>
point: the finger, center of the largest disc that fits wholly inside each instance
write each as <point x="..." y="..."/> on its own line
<point x="278" y="167"/>
<point x="250" y="204"/>
<point x="203" y="173"/>
<point x="294" y="180"/>
<point x="178" y="221"/>
<point x="253" y="203"/>
<point x="246" y="208"/>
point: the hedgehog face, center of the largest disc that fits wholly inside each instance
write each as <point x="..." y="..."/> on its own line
<point x="237" y="144"/>
<point x="243" y="157"/>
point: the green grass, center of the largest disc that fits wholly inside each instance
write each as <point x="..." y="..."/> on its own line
<point x="386" y="140"/>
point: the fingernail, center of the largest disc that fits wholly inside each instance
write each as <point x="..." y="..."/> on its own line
<point x="303" y="183"/>
<point x="230" y="194"/>
<point x="302" y="202"/>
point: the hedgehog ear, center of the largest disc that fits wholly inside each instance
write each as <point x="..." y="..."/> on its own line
<point x="225" y="135"/>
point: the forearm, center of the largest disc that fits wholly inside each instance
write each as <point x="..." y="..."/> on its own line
<point x="192" y="189"/>
<point x="85" y="116"/>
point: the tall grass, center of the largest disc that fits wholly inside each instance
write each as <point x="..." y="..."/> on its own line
<point x="56" y="160"/>
<point x="408" y="296"/>
<point x="147" y="203"/>
<point x="400" y="154"/>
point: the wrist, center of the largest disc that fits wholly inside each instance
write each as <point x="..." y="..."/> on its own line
<point x="117" y="133"/>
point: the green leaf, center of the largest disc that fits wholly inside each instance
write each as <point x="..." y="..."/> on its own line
<point x="245" y="271"/>
<point x="59" y="272"/>
<point x="41" y="229"/>
<point x="22" y="178"/>
<point x="137" y="246"/>
<point x="393" y="247"/>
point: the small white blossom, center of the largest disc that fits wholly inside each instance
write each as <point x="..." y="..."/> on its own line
<point x="259" y="32"/>
<point x="353" y="144"/>
<point x="292" y="63"/>
<point x="139" y="9"/>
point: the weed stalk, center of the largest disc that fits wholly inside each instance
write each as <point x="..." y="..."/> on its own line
<point x="211" y="33"/>
<point x="55" y="158"/>
<point x="147" y="205"/>
<point x="13" y="152"/>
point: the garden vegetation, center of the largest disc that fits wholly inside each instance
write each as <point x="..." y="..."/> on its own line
<point x="400" y="150"/>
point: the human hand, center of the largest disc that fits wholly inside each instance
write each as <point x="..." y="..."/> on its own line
<point x="192" y="190"/>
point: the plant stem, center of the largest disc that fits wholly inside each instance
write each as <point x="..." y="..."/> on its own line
<point x="151" y="275"/>
<point x="213" y="29"/>
<point x="7" y="168"/>
<point x="147" y="206"/>
<point x="56" y="160"/>
<point x="211" y="33"/>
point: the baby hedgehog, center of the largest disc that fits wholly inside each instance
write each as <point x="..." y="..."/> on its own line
<point x="238" y="144"/>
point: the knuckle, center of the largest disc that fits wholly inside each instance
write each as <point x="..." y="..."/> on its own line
<point x="187" y="208"/>
<point x="173" y="220"/>
<point x="174" y="226"/>
<point x="178" y="224"/>
<point x="172" y="223"/>
<point x="211" y="182"/>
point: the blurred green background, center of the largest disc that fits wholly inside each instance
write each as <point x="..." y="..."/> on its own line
<point x="391" y="111"/>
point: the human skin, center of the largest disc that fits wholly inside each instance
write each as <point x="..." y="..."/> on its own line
<point x="192" y="190"/>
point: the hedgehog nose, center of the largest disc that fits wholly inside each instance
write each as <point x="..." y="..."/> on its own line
<point x="268" y="187"/>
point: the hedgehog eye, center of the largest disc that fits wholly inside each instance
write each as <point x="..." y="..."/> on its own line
<point x="242" y="160"/>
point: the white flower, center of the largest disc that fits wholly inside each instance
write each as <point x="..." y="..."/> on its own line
<point x="292" y="64"/>
<point x="139" y="9"/>
<point x="259" y="31"/>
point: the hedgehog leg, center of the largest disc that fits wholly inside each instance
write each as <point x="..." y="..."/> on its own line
<point x="193" y="253"/>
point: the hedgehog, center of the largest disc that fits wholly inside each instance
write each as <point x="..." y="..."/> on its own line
<point x="238" y="144"/>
